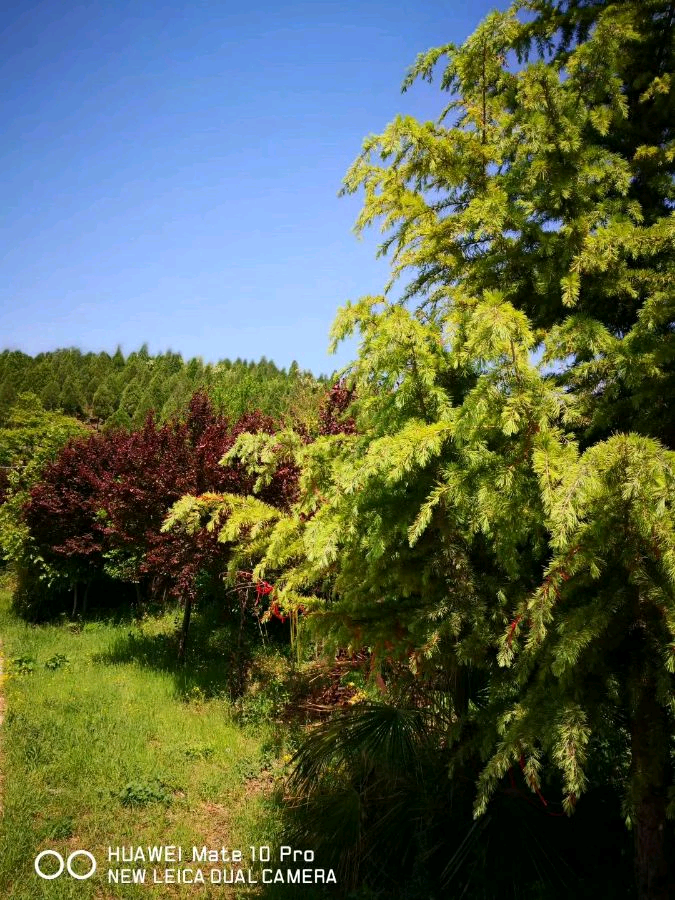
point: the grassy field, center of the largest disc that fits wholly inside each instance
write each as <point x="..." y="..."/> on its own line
<point x="107" y="742"/>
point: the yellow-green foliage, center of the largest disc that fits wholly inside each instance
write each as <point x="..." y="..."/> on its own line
<point x="505" y="509"/>
<point x="29" y="439"/>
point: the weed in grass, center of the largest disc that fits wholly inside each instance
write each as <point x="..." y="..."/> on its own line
<point x="199" y="752"/>
<point x="56" y="662"/>
<point x="59" y="829"/>
<point x="196" y="694"/>
<point x="23" y="665"/>
<point x="140" y="793"/>
<point x="268" y="691"/>
<point x="248" y="769"/>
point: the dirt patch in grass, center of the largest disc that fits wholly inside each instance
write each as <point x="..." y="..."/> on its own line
<point x="215" y="821"/>
<point x="261" y="785"/>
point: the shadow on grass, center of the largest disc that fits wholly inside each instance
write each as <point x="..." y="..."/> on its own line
<point x="216" y="661"/>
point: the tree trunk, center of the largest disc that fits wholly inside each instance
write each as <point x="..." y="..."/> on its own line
<point x="74" y="601"/>
<point x="649" y="779"/>
<point x="137" y="602"/>
<point x="184" y="630"/>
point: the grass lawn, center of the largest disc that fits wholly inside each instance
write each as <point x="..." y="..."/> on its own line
<point x="107" y="742"/>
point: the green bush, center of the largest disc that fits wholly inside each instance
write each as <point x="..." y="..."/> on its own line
<point x="139" y="793"/>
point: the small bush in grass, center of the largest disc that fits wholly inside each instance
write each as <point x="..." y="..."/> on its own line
<point x="199" y="752"/>
<point x="268" y="689"/>
<point x="56" y="662"/>
<point x="139" y="793"/>
<point x="23" y="665"/>
<point x="196" y="694"/>
<point x="248" y="769"/>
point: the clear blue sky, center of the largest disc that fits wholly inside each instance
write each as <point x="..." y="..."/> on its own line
<point x="170" y="170"/>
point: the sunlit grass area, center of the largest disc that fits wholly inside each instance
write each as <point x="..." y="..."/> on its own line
<point x="107" y="741"/>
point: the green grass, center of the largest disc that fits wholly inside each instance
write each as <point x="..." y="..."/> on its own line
<point x="107" y="742"/>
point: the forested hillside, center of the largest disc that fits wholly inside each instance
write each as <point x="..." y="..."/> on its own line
<point x="120" y="391"/>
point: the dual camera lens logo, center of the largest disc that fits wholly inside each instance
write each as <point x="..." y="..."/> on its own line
<point x="64" y="864"/>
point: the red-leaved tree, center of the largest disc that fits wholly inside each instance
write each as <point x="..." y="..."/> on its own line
<point x="98" y="510"/>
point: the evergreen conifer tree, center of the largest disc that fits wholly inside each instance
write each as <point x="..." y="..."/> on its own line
<point x="131" y="397"/>
<point x="507" y="521"/>
<point x="152" y="400"/>
<point x="104" y="402"/>
<point x="119" y="419"/>
<point x="50" y="393"/>
<point x="8" y="394"/>
<point x="71" y="396"/>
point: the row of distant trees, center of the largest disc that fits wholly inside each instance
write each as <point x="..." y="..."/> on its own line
<point x="120" y="391"/>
